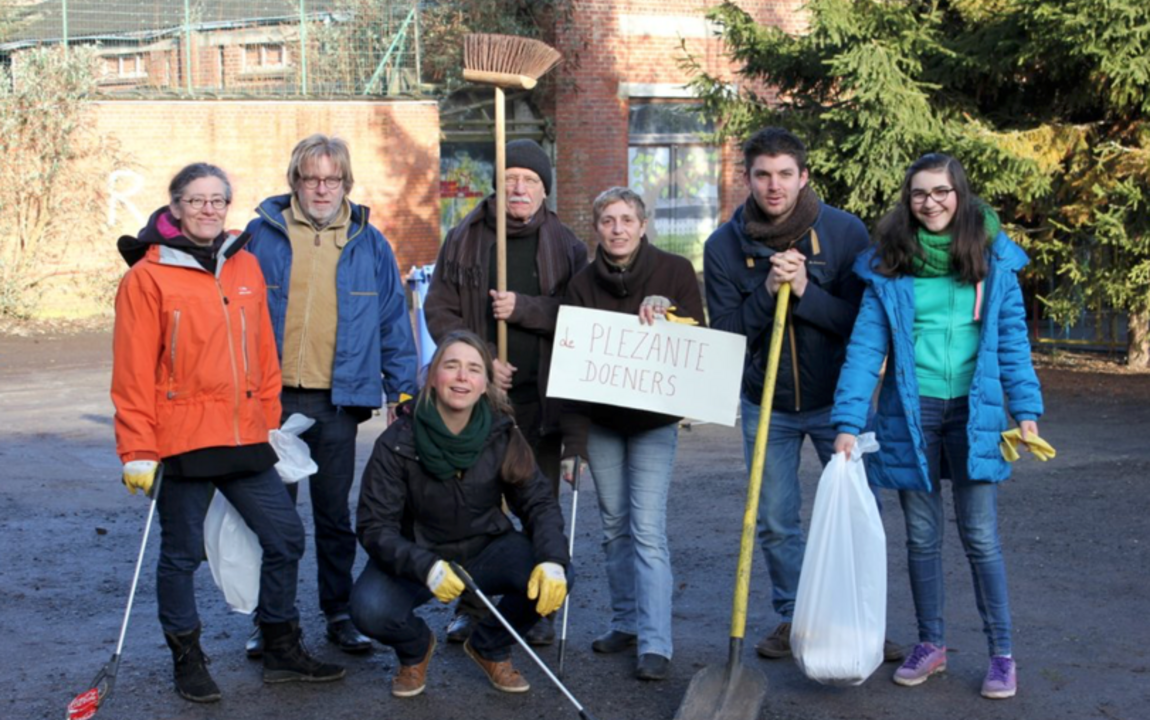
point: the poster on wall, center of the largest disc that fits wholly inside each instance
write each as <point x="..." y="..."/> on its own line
<point x="613" y="359"/>
<point x="465" y="178"/>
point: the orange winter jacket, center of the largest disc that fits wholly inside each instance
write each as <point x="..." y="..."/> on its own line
<point x="194" y="358"/>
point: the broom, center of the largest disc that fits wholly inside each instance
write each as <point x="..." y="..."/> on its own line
<point x="504" y="61"/>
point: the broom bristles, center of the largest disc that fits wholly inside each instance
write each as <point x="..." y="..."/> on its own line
<point x="508" y="54"/>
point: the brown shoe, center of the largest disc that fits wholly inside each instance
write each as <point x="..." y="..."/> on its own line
<point x="501" y="673"/>
<point x="412" y="679"/>
<point x="892" y="652"/>
<point x="777" y="644"/>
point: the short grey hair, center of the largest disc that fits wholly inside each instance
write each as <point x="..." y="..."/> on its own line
<point x="316" y="146"/>
<point x="191" y="173"/>
<point x="619" y="194"/>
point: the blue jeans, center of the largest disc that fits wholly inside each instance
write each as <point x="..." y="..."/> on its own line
<point x="383" y="605"/>
<point x="976" y="514"/>
<point x="332" y="444"/>
<point x="781" y="500"/>
<point x="633" y="478"/>
<point x="265" y="506"/>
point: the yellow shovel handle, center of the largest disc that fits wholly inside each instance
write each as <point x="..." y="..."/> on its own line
<point x="750" y="513"/>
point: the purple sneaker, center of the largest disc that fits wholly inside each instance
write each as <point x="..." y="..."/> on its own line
<point x="1001" y="679"/>
<point x="925" y="660"/>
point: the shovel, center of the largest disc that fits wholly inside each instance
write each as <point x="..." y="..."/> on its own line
<point x="734" y="691"/>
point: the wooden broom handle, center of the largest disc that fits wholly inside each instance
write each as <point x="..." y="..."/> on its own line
<point x="500" y="216"/>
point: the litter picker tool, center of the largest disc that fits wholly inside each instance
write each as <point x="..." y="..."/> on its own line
<point x="470" y="584"/>
<point x="570" y="554"/>
<point x="505" y="62"/>
<point x="735" y="691"/>
<point x="85" y="705"/>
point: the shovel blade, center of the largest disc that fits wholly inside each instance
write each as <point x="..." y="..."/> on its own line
<point x="724" y="692"/>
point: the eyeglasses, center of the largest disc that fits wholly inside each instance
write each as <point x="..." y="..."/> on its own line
<point x="938" y="194"/>
<point x="331" y="183"/>
<point x="526" y="180"/>
<point x="197" y="203"/>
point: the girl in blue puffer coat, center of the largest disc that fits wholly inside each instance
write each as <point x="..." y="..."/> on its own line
<point x="944" y="308"/>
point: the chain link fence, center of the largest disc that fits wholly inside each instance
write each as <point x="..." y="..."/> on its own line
<point x="231" y="48"/>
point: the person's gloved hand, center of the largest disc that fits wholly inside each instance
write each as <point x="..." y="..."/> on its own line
<point x="444" y="583"/>
<point x="567" y="468"/>
<point x="549" y="584"/>
<point x="653" y="306"/>
<point x="1038" y="447"/>
<point x="139" y="475"/>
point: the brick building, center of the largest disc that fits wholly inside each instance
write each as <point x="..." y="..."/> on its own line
<point x="631" y="122"/>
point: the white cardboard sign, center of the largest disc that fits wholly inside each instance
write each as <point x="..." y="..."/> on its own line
<point x="613" y="359"/>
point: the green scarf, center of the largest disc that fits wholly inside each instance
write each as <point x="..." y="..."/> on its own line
<point x="936" y="248"/>
<point x="441" y="452"/>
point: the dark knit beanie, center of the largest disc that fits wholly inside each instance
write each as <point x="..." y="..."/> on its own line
<point x="528" y="154"/>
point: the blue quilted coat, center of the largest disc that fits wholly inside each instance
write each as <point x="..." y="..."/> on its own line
<point x="1004" y="378"/>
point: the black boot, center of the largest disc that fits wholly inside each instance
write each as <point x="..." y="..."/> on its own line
<point x="192" y="679"/>
<point x="287" y="660"/>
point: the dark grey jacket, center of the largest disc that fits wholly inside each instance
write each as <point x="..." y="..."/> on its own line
<point x="408" y="519"/>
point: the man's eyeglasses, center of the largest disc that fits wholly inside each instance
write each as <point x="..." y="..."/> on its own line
<point x="331" y="183"/>
<point x="197" y="203"/>
<point x="938" y="194"/>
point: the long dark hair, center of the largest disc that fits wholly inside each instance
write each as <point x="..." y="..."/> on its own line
<point x="519" y="462"/>
<point x="897" y="232"/>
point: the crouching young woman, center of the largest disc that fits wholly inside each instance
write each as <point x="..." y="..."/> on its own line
<point x="433" y="492"/>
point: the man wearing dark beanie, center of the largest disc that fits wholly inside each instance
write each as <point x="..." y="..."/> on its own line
<point x="543" y="254"/>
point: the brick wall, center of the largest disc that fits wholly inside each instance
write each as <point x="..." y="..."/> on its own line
<point x="394" y="145"/>
<point x="633" y="42"/>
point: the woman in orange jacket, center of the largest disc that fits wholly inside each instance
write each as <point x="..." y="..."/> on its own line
<point x="196" y="382"/>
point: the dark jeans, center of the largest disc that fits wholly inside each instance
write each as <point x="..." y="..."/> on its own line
<point x="265" y="506"/>
<point x="383" y="606"/>
<point x="944" y="427"/>
<point x="332" y="444"/>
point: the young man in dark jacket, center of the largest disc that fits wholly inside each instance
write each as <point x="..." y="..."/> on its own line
<point x="785" y="234"/>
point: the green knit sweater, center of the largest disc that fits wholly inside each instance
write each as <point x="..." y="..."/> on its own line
<point x="946" y="333"/>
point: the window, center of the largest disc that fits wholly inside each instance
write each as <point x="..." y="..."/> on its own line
<point x="265" y="56"/>
<point x="123" y="67"/>
<point x="676" y="173"/>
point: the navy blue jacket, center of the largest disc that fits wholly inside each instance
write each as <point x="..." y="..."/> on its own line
<point x="374" y="344"/>
<point x="818" y="324"/>
<point x="1004" y="378"/>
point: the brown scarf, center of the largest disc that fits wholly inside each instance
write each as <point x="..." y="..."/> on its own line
<point x="780" y="236"/>
<point x="466" y="262"/>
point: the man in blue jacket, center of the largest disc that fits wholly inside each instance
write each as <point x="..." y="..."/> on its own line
<point x="782" y="234"/>
<point x="345" y="342"/>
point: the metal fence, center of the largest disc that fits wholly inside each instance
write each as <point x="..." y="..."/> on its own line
<point x="280" y="48"/>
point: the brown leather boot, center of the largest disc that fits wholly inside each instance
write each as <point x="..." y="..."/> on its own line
<point x="500" y="672"/>
<point x="412" y="679"/>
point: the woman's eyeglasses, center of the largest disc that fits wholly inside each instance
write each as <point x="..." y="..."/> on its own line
<point x="197" y="203"/>
<point x="938" y="194"/>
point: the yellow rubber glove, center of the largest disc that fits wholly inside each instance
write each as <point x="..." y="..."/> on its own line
<point x="444" y="583"/>
<point x="1011" y="439"/>
<point x="549" y="584"/>
<point x="139" y="475"/>
<point x="672" y="317"/>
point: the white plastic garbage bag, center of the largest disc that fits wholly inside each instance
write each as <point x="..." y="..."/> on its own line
<point x="295" y="461"/>
<point x="840" y="611"/>
<point x="234" y="555"/>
